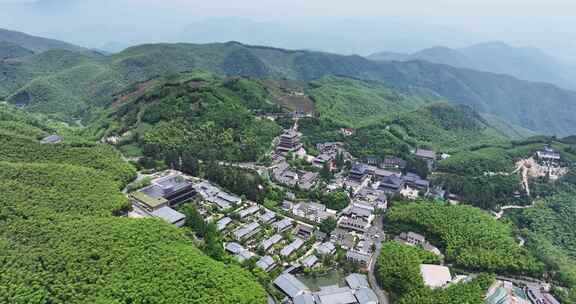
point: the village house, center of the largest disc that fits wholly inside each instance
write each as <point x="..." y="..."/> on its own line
<point x="223" y="223"/>
<point x="268" y="243"/>
<point x="393" y="163"/>
<point x="326" y="248"/>
<point x="51" y="139"/>
<point x="248" y="211"/>
<point x="537" y="295"/>
<point x="305" y="232"/>
<point x="353" y="223"/>
<point x="242" y="254"/>
<point x="283" y="224"/>
<point x="356" y="291"/>
<point x="307" y="180"/>
<point x="354" y="256"/>
<point x="216" y="196"/>
<point x="292" y="247"/>
<point x="343" y="238"/>
<point x="267" y="217"/>
<point x="415" y="181"/>
<point x="373" y="197"/>
<point x="309" y="261"/>
<point x="415" y="239"/>
<point x="391" y="185"/>
<point x="246" y="231"/>
<point x="322" y="159"/>
<point x="266" y="263"/>
<point x="428" y="156"/>
<point x="290" y="285"/>
<point x="312" y="211"/>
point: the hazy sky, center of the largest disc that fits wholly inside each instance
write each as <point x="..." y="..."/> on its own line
<point x="360" y="26"/>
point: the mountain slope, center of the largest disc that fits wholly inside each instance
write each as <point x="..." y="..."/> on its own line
<point x="210" y="117"/>
<point x="62" y="241"/>
<point x="34" y="43"/>
<point x="81" y="81"/>
<point x="10" y="50"/>
<point x="496" y="57"/>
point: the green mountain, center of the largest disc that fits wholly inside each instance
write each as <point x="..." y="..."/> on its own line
<point x="208" y="116"/>
<point x="34" y="43"/>
<point x="9" y="50"/>
<point x="71" y="83"/>
<point x="496" y="57"/>
<point x="355" y="103"/>
<point x="61" y="242"/>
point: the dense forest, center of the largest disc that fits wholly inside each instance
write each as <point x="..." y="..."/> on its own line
<point x="197" y="114"/>
<point x="398" y="271"/>
<point x="469" y="237"/>
<point x="549" y="229"/>
<point x="61" y="243"/>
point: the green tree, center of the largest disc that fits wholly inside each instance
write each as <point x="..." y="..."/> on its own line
<point x="328" y="225"/>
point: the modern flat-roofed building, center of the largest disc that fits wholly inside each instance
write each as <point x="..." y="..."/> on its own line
<point x="170" y="190"/>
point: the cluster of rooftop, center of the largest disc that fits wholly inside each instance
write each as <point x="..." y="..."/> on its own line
<point x="356" y="291"/>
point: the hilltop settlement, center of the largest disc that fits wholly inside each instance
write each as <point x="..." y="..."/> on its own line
<point x="333" y="236"/>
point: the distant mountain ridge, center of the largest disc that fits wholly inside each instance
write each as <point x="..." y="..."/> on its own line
<point x="34" y="43"/>
<point x="10" y="50"/>
<point x="525" y="63"/>
<point x="68" y="82"/>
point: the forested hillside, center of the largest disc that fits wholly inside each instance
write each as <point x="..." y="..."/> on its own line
<point x="355" y="103"/>
<point x="35" y="43"/>
<point x="60" y="241"/>
<point x="549" y="227"/>
<point x="398" y="270"/>
<point x="197" y="114"/>
<point x="84" y="81"/>
<point x="469" y="237"/>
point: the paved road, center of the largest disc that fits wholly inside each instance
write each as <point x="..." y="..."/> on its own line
<point x="383" y="297"/>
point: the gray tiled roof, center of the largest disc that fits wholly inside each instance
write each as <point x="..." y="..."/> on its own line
<point x="168" y="214"/>
<point x="290" y="285"/>
<point x="271" y="241"/>
<point x="290" y="248"/>
<point x="366" y="296"/>
<point x="356" y="281"/>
